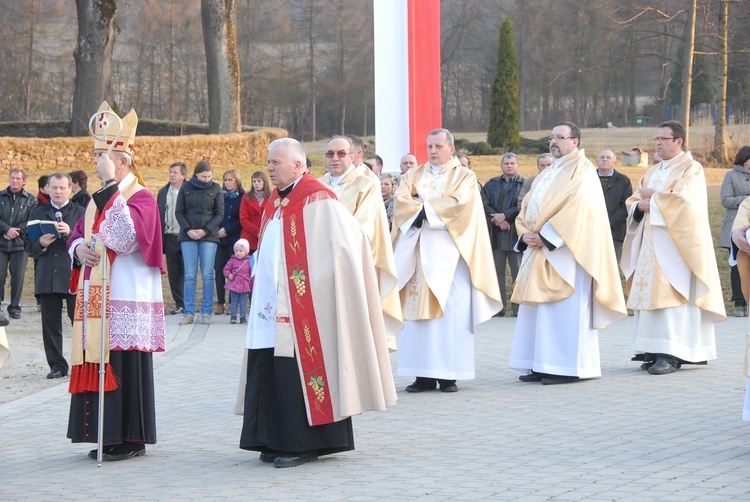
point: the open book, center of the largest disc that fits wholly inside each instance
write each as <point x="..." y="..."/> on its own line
<point x="37" y="228"/>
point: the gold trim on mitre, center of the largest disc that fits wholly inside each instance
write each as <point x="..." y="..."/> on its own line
<point x="126" y="141"/>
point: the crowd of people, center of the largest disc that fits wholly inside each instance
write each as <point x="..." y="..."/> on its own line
<point x="406" y="261"/>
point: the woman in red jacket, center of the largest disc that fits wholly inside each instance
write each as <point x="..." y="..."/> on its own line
<point x="251" y="208"/>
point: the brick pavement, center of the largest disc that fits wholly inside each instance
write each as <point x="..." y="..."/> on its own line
<point x="626" y="436"/>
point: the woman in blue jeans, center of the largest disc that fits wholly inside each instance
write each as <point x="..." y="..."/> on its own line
<point x="199" y="211"/>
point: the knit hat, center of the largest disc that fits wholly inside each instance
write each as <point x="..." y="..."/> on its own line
<point x="243" y="244"/>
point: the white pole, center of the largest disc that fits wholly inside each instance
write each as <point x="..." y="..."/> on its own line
<point x="102" y="355"/>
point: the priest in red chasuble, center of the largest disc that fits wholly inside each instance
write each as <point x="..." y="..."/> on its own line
<point x="121" y="225"/>
<point x="316" y="340"/>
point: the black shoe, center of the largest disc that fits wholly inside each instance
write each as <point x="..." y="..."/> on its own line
<point x="55" y="374"/>
<point x="269" y="456"/>
<point x="243" y="320"/>
<point x="233" y="319"/>
<point x="449" y="387"/>
<point x="295" y="459"/>
<point x="647" y="365"/>
<point x="107" y="449"/>
<point x="500" y="314"/>
<point x="558" y="379"/>
<point x="14" y="313"/>
<point x="178" y="310"/>
<point x="422" y="384"/>
<point x="532" y="377"/>
<point x="124" y="451"/>
<point x="662" y="367"/>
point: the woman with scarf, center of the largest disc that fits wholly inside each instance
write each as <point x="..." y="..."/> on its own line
<point x="252" y="209"/>
<point x="199" y="211"/>
<point x="229" y="232"/>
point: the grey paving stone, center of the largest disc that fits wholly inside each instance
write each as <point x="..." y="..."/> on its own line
<point x="625" y="436"/>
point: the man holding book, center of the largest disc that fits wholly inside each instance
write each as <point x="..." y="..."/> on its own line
<point x="52" y="275"/>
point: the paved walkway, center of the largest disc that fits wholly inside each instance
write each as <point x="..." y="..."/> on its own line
<point x="626" y="436"/>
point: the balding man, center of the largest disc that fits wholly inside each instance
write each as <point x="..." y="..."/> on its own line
<point x="542" y="162"/>
<point x="408" y="161"/>
<point x="316" y="345"/>
<point x="617" y="188"/>
<point x="443" y="253"/>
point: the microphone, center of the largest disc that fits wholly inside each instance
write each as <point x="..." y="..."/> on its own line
<point x="58" y="218"/>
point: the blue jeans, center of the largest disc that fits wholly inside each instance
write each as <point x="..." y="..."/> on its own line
<point x="238" y="300"/>
<point x="192" y="252"/>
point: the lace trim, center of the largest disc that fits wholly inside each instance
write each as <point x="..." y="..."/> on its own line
<point x="137" y="326"/>
<point x="117" y="231"/>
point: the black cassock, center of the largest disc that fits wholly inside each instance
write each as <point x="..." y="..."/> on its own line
<point x="129" y="411"/>
<point x="275" y="415"/>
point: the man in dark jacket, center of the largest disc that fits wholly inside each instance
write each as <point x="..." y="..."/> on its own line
<point x="166" y="199"/>
<point x="617" y="188"/>
<point x="501" y="206"/>
<point x="15" y="206"/>
<point x="52" y="275"/>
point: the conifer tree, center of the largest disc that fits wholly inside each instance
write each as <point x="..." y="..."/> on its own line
<point x="503" y="130"/>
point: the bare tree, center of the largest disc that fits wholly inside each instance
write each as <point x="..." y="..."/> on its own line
<point x="687" y="70"/>
<point x="721" y="141"/>
<point x="97" y="32"/>
<point x="219" y="18"/>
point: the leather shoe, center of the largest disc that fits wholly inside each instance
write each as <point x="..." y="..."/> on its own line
<point x="558" y="379"/>
<point x="532" y="377"/>
<point x="499" y="314"/>
<point x="55" y="374"/>
<point x="107" y="449"/>
<point x="422" y="385"/>
<point x="294" y="459"/>
<point x="449" y="387"/>
<point x="178" y="310"/>
<point x="14" y="314"/>
<point x="269" y="456"/>
<point x="647" y="365"/>
<point x="662" y="367"/>
<point x="124" y="451"/>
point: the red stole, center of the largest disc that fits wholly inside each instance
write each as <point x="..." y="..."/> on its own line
<point x="310" y="351"/>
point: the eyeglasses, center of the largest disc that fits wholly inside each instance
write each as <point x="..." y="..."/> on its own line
<point x="558" y="138"/>
<point x="340" y="154"/>
<point x="659" y="138"/>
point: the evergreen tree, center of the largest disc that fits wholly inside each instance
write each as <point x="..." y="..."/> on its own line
<point x="703" y="90"/>
<point x="503" y="130"/>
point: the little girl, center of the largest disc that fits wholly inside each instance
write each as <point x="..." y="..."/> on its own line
<point x="237" y="273"/>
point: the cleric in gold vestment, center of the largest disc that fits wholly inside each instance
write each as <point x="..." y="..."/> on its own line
<point x="446" y="273"/>
<point x="669" y="262"/>
<point x="740" y="255"/>
<point x="568" y="286"/>
<point x="358" y="189"/>
<point x="317" y="351"/>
